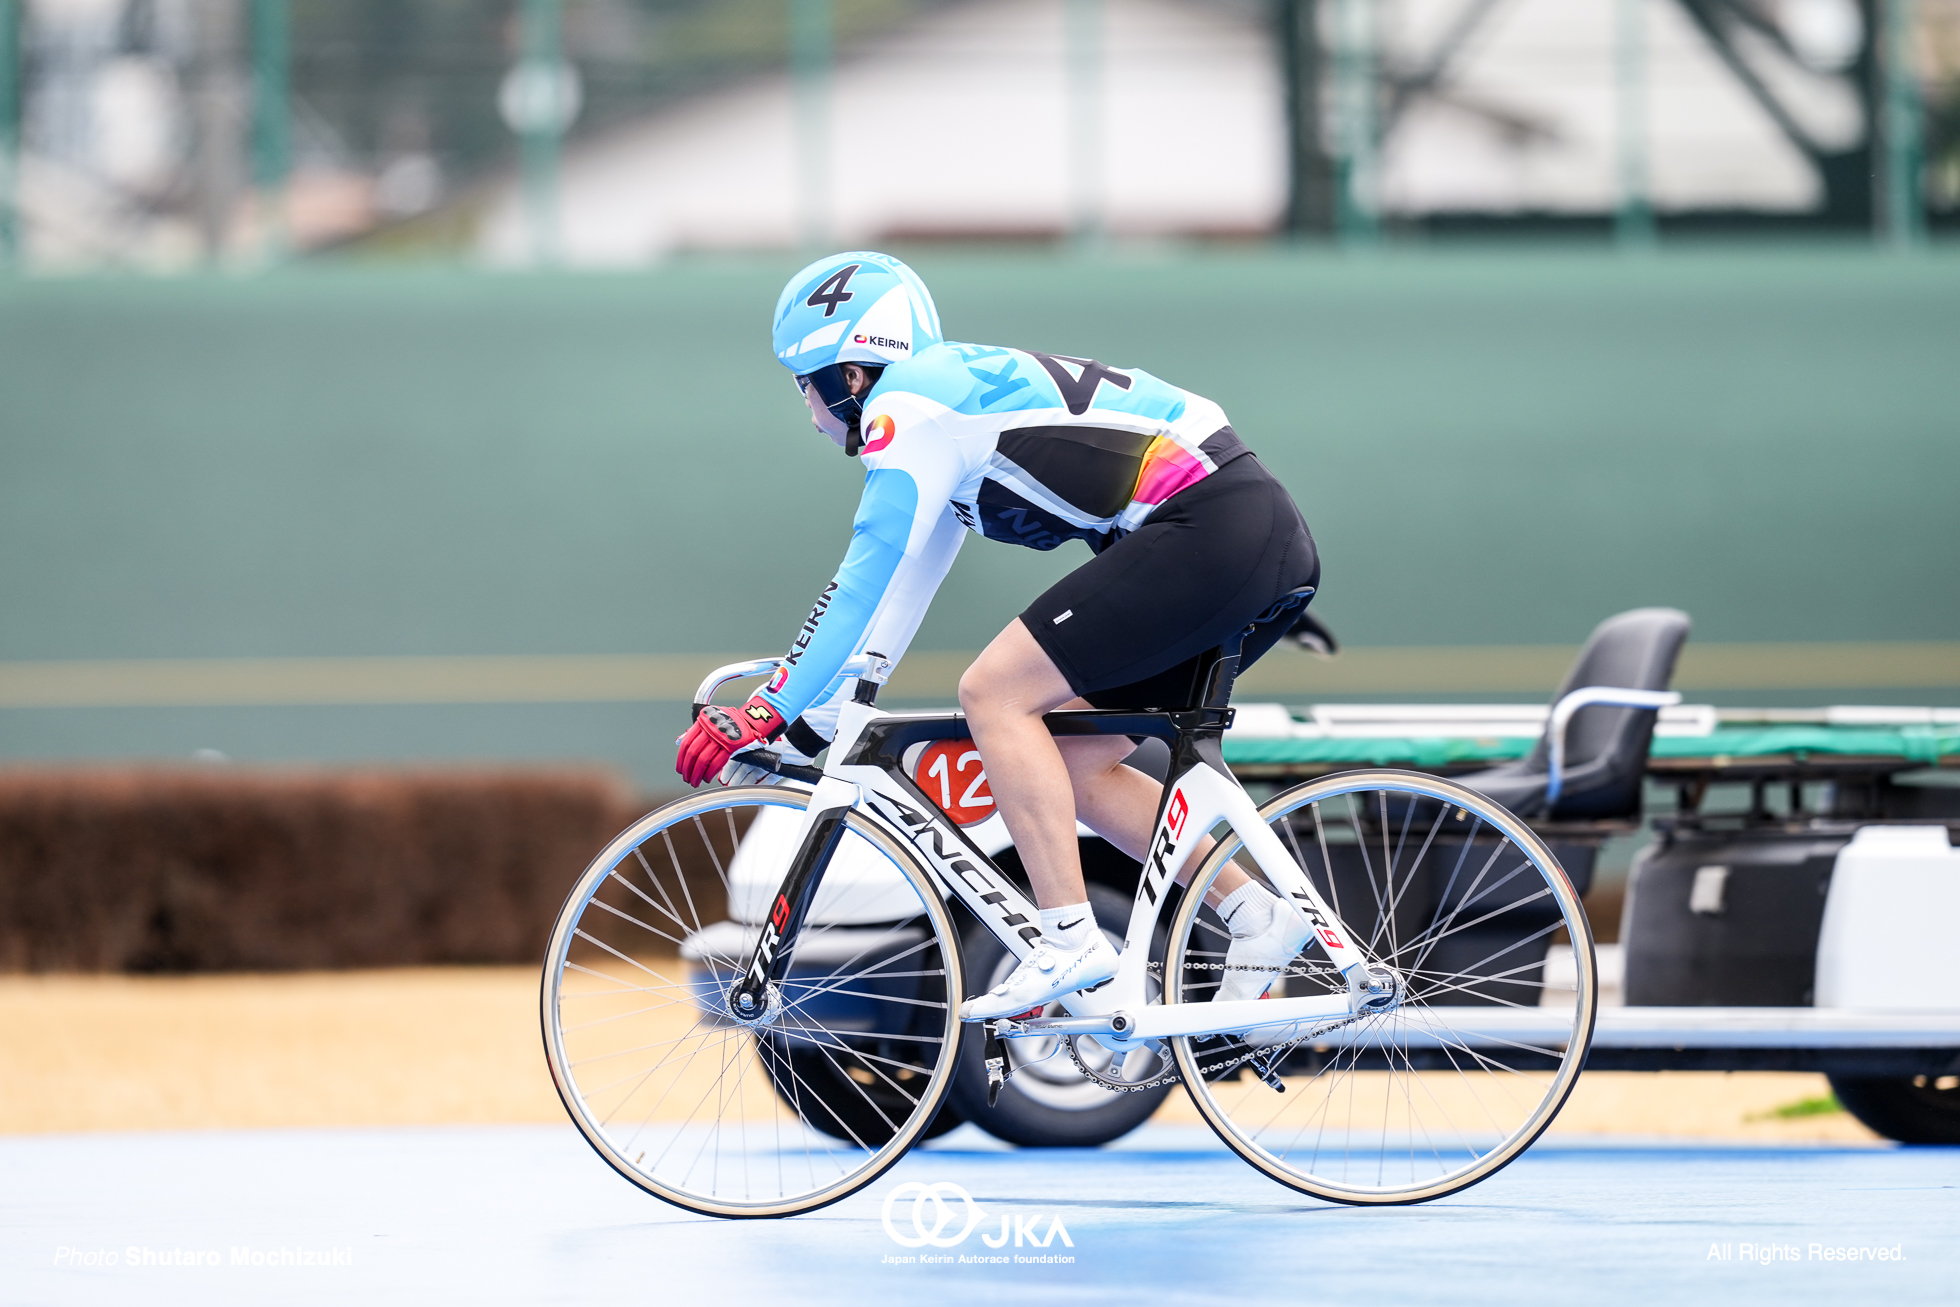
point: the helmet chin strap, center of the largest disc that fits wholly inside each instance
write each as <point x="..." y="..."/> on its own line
<point x="850" y="411"/>
<point x="848" y="408"/>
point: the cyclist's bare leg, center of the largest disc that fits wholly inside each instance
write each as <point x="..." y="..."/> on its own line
<point x="1119" y="803"/>
<point x="1004" y="694"/>
<point x="1041" y="784"/>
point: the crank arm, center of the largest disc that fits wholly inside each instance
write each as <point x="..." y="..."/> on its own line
<point x="1167" y="1021"/>
<point x="1032" y="1027"/>
<point x="998" y="1067"/>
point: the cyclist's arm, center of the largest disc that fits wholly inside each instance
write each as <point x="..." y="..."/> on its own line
<point x="900" y="551"/>
<point x="893" y="625"/>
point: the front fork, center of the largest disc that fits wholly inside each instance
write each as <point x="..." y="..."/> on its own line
<point x="832" y="802"/>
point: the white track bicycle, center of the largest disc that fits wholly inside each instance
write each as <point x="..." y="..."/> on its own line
<point x="750" y="1000"/>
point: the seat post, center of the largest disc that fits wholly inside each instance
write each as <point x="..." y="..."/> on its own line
<point x="1222" y="673"/>
<point x="1223" y="669"/>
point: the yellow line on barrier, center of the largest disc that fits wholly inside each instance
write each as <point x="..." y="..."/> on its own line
<point x="1529" y="670"/>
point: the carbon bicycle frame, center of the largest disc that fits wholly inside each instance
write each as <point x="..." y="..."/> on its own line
<point x="866" y="773"/>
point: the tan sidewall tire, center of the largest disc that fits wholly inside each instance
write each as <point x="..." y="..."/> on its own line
<point x="1584" y="1013"/>
<point x="859" y="822"/>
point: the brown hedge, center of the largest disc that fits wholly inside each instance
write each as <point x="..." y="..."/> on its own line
<point x="195" y="869"/>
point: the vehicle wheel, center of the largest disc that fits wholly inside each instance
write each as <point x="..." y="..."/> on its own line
<point x="677" y="1092"/>
<point x="1047" y="1102"/>
<point x="846" y="1106"/>
<point x="1912" y="1110"/>
<point x="1459" y="900"/>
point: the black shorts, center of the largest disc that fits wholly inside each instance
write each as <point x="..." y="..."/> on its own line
<point x="1127" y="628"/>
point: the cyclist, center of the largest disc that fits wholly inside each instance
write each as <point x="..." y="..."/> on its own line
<point x="1193" y="542"/>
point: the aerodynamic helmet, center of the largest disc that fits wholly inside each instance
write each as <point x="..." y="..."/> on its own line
<point x="862" y="307"/>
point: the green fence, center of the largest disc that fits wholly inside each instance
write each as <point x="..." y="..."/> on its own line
<point x="1493" y="449"/>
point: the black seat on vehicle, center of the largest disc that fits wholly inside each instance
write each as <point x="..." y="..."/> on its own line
<point x="1605" y="747"/>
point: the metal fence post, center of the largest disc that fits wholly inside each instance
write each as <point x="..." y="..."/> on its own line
<point x="1310" y="172"/>
<point x="1633" y="218"/>
<point x="271" y="119"/>
<point x="10" y="93"/>
<point x="1085" y="55"/>
<point x="1357" y="180"/>
<point x="810" y="58"/>
<point x="1905" y="217"/>
<point x="542" y="23"/>
<point x="220" y="104"/>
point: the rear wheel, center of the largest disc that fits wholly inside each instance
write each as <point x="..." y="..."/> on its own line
<point x="843" y="1071"/>
<point x="1459" y="900"/>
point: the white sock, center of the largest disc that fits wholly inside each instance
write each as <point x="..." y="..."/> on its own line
<point x="1068" y="927"/>
<point x="1247" y="910"/>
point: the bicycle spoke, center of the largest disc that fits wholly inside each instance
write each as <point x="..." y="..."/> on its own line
<point x="1448" y="924"/>
<point x="1419" y="1099"/>
<point x="629" y="918"/>
<point x="844" y="1063"/>
<point x="623" y="987"/>
<point x="1430" y="945"/>
<point x="1395" y="902"/>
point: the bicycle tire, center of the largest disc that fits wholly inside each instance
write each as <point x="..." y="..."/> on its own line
<point x="1370" y="1118"/>
<point x="875" y="997"/>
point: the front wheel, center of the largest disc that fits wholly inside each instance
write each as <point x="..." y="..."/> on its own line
<point x="765" y="1114"/>
<point x="1458" y="901"/>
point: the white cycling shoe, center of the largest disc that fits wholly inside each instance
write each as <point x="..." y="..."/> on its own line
<point x="1044" y="975"/>
<point x="1252" y="964"/>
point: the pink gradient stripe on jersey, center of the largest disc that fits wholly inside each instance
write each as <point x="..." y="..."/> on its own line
<point x="1167" y="468"/>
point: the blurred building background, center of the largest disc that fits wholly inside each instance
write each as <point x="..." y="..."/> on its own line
<point x="158" y="134"/>
<point x="1544" y="309"/>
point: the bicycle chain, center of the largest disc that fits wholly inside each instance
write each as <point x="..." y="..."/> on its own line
<point x="1116" y="1086"/>
<point x="1220" y="1068"/>
<point x="1251" y="1053"/>
<point x="1226" y="966"/>
<point x="1172" y="1077"/>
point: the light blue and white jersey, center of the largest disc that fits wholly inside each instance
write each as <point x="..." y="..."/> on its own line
<point x="1034" y="449"/>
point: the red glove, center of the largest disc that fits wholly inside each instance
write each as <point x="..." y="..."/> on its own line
<point x="719" y="732"/>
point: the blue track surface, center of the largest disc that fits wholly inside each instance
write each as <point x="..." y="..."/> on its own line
<point x="528" y="1215"/>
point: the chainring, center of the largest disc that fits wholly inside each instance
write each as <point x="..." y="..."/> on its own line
<point x="1116" y="1086"/>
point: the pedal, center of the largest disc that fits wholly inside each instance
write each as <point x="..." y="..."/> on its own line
<point x="995" y="1053"/>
